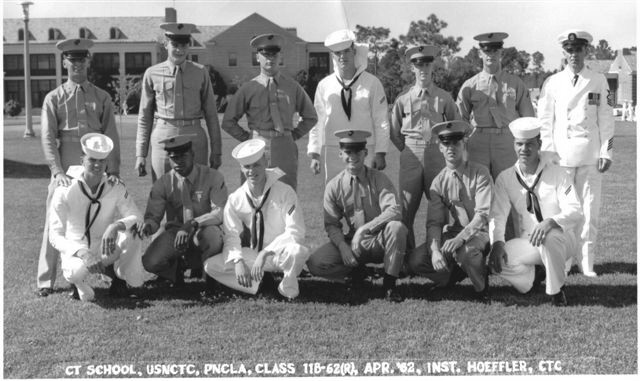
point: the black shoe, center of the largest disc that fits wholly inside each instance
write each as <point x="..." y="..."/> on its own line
<point x="74" y="293"/>
<point x="268" y="285"/>
<point x="45" y="291"/>
<point x="393" y="295"/>
<point x="540" y="276"/>
<point x="559" y="299"/>
<point x="119" y="288"/>
<point x="179" y="282"/>
<point x="356" y="286"/>
<point x="457" y="275"/>
<point x="483" y="296"/>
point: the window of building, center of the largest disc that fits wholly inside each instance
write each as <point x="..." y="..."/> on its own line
<point x="43" y="64"/>
<point x="233" y="59"/>
<point x="136" y="63"/>
<point x="13" y="64"/>
<point x="106" y="63"/>
<point x="39" y="89"/>
<point x="194" y="57"/>
<point x="14" y="89"/>
<point x="84" y="32"/>
<point x="20" y="34"/>
<point x="116" y="34"/>
<point x="55" y="34"/>
<point x="254" y="59"/>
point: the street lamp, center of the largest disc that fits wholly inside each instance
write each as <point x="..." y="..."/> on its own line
<point x="28" y="132"/>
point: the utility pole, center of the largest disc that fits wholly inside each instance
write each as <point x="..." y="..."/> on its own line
<point x="28" y="132"/>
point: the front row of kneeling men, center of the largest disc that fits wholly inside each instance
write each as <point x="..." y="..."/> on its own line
<point x="260" y="226"/>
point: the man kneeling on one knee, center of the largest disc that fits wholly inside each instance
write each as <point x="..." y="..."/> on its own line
<point x="545" y="200"/>
<point x="366" y="199"/>
<point x="85" y="229"/>
<point x="192" y="196"/>
<point x="268" y="211"/>
<point x="457" y="216"/>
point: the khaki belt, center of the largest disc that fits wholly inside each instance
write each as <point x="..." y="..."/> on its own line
<point x="271" y="133"/>
<point x="180" y="122"/>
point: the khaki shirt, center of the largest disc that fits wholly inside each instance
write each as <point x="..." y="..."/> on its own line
<point x="512" y="101"/>
<point x="157" y="101"/>
<point x="208" y="197"/>
<point x="253" y="99"/>
<point x="378" y="201"/>
<point x="460" y="201"/>
<point x="60" y="121"/>
<point x="409" y="119"/>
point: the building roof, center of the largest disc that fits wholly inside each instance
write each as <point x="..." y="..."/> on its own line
<point x="599" y="66"/>
<point x="262" y="25"/>
<point x="143" y="29"/>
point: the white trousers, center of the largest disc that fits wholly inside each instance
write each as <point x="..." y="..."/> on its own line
<point x="126" y="260"/>
<point x="588" y="183"/>
<point x="289" y="259"/>
<point x="522" y="256"/>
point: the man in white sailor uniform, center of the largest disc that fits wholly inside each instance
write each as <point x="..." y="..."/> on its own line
<point x="544" y="199"/>
<point x="263" y="228"/>
<point x="350" y="98"/>
<point x="577" y="128"/>
<point x="91" y="225"/>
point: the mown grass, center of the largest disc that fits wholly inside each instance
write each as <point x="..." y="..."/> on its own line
<point x="596" y="334"/>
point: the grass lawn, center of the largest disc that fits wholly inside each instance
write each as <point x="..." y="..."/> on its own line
<point x="596" y="334"/>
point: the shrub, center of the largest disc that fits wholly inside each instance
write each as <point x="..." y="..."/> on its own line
<point x="12" y="107"/>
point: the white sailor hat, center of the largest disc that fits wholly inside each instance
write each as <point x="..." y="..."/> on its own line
<point x="75" y="47"/>
<point x="179" y="31"/>
<point x="267" y="42"/>
<point x="340" y="40"/>
<point x="96" y="146"/>
<point x="178" y="143"/>
<point x="492" y="40"/>
<point x="574" y="37"/>
<point x="425" y="52"/>
<point x="525" y="128"/>
<point x="248" y="152"/>
<point x="452" y="130"/>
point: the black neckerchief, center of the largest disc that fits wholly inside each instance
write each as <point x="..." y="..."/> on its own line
<point x="257" y="222"/>
<point x="346" y="102"/>
<point x="88" y="220"/>
<point x="533" y="206"/>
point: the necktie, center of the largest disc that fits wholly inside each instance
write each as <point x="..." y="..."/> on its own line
<point x="187" y="206"/>
<point x="493" y="88"/>
<point x="178" y="100"/>
<point x="533" y="206"/>
<point x="345" y="95"/>
<point x="88" y="220"/>
<point x="257" y="222"/>
<point x="81" y="111"/>
<point x="273" y="105"/>
<point x="358" y="211"/>
<point x="574" y="80"/>
<point x="456" y="200"/>
<point x="424" y="116"/>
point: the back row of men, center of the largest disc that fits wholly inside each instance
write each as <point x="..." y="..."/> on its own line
<point x="574" y="111"/>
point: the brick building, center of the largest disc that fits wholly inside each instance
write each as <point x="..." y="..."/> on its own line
<point x="125" y="46"/>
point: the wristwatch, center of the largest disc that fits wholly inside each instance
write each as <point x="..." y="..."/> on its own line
<point x="194" y="224"/>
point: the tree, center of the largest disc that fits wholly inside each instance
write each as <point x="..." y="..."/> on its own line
<point x="538" y="61"/>
<point x="629" y="51"/>
<point x="376" y="37"/>
<point x="515" y="61"/>
<point x="601" y="52"/>
<point x="429" y="32"/>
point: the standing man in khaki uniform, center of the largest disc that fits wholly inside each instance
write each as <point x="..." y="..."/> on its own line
<point x="490" y="100"/>
<point x="270" y="101"/>
<point x="416" y="110"/>
<point x="577" y="128"/>
<point x="457" y="217"/>
<point x="72" y="110"/>
<point x="176" y="94"/>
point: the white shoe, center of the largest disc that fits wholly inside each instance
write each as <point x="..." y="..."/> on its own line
<point x="85" y="292"/>
<point x="590" y="274"/>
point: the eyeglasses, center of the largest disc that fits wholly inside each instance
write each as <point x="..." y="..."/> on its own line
<point x="574" y="49"/>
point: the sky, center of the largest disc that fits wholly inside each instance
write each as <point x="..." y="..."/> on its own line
<point x="533" y="25"/>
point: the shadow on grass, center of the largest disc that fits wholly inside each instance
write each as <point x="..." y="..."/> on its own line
<point x="20" y="170"/>
<point x="616" y="267"/>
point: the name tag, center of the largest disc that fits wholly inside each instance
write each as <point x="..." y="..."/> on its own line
<point x="594" y="99"/>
